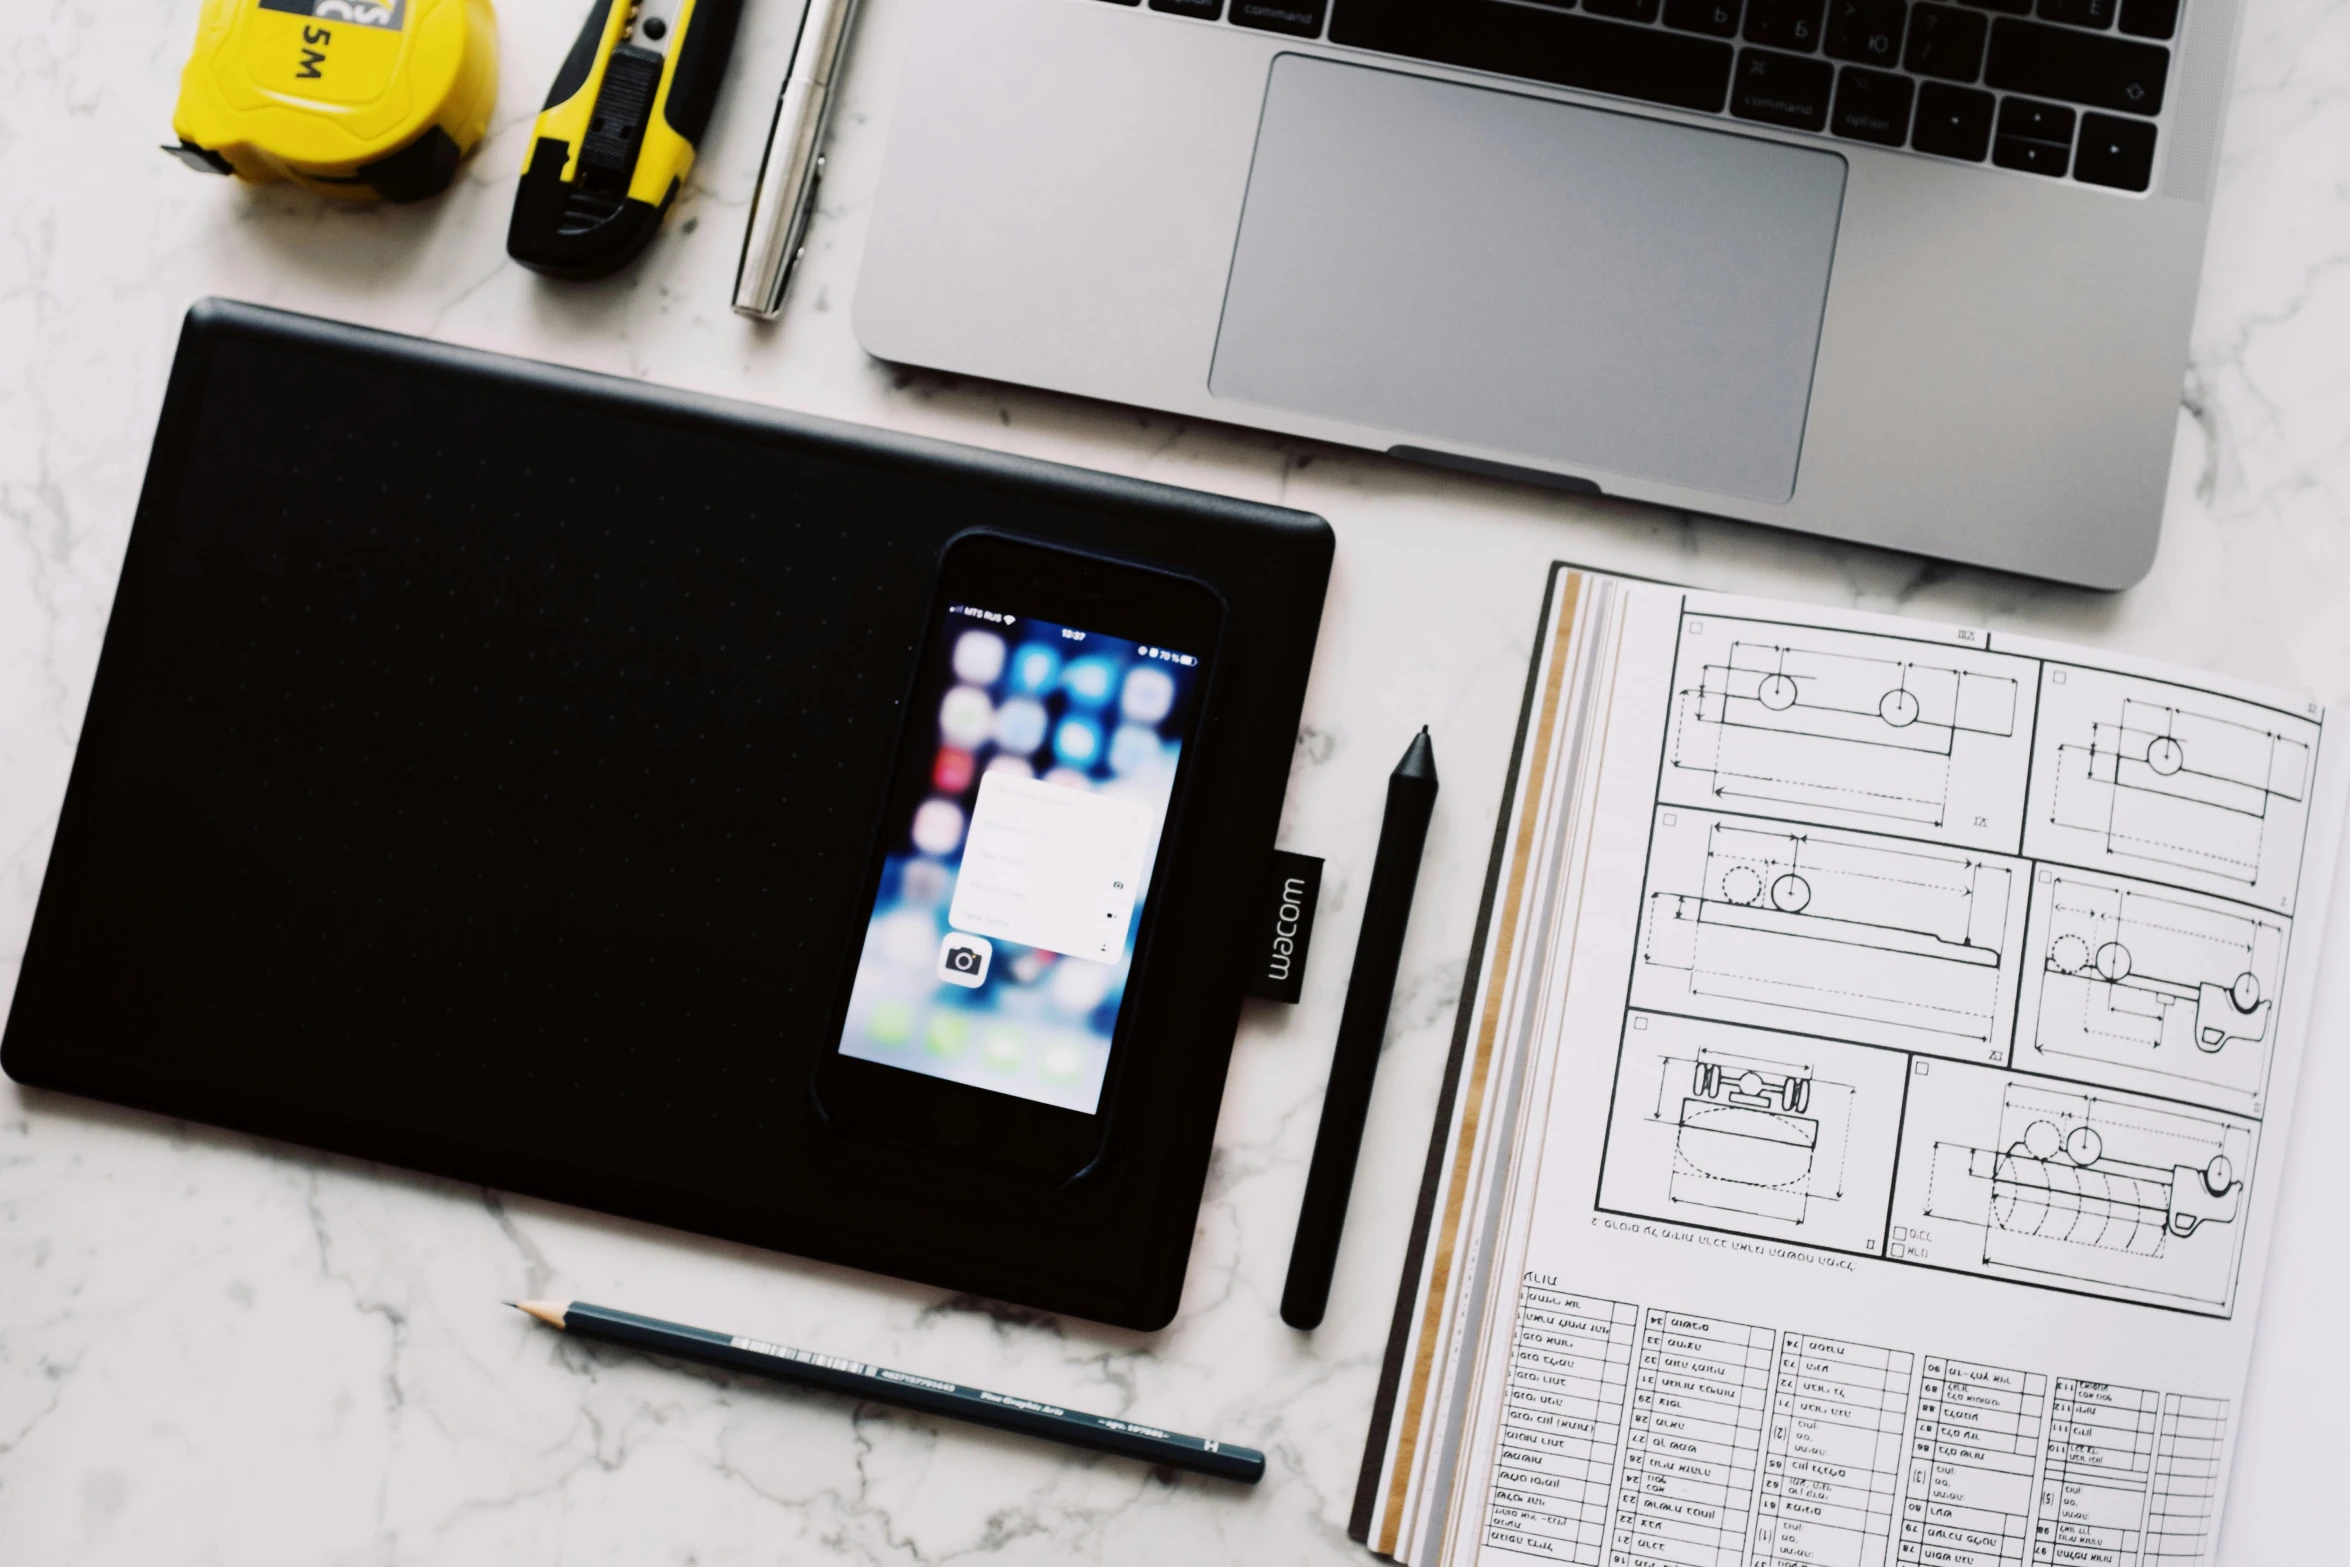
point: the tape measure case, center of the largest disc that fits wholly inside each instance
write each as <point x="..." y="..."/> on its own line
<point x="355" y="99"/>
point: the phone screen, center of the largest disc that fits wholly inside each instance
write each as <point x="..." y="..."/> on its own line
<point x="1016" y="877"/>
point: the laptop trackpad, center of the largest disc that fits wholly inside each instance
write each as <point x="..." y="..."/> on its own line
<point x="1585" y="289"/>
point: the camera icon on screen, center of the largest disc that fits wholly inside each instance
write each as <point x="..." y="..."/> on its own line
<point x="963" y="960"/>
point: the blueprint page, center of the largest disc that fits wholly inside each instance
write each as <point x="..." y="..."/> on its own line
<point x="1904" y="1171"/>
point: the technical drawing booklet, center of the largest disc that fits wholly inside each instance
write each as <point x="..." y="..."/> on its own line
<point x="1861" y="1140"/>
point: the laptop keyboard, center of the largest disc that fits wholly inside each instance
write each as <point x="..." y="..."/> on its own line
<point x="2059" y="88"/>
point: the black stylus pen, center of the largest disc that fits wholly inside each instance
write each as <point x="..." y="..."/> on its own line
<point x="879" y="1383"/>
<point x="1387" y="908"/>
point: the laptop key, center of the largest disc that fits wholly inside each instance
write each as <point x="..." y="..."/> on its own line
<point x="1559" y="47"/>
<point x="1784" y="24"/>
<point x="1867" y="31"/>
<point x="2060" y="62"/>
<point x="1718" y="17"/>
<point x="2115" y="152"/>
<point x="2011" y="7"/>
<point x="1953" y="122"/>
<point x="2036" y="121"/>
<point x="1782" y="89"/>
<point x="1298" y="18"/>
<point x="1205" y="10"/>
<point x="2034" y="157"/>
<point x="2150" y="18"/>
<point x="1872" y="106"/>
<point x="2080" y="13"/>
<point x="1946" y="42"/>
<point x="1625" y="10"/>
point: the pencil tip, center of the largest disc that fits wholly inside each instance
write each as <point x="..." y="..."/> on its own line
<point x="551" y="1312"/>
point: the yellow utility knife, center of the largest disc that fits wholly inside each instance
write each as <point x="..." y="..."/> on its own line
<point x="616" y="139"/>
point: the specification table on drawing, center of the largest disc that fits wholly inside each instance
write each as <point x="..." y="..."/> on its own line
<point x="1639" y="1436"/>
<point x="1555" y="1470"/>
<point x="1832" y="1460"/>
<point x="1700" y="1387"/>
<point x="2100" y="1461"/>
<point x="1973" y="1453"/>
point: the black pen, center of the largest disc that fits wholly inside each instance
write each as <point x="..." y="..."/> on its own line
<point x="1387" y="908"/>
<point x="933" y="1395"/>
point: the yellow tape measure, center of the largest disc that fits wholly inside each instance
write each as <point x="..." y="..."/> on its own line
<point x="356" y="99"/>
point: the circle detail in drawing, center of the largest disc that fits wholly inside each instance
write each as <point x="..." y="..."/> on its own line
<point x="2042" y="1139"/>
<point x="2219" y="1175"/>
<point x="2113" y="961"/>
<point x="2068" y="955"/>
<point x="2165" y="755"/>
<point x="1898" y="708"/>
<point x="2245" y="992"/>
<point x="1750" y="1083"/>
<point x="1777" y="692"/>
<point x="1790" y="893"/>
<point x="1740" y="884"/>
<point x="2083" y="1145"/>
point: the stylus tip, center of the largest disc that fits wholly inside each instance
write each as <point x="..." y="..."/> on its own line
<point x="1419" y="758"/>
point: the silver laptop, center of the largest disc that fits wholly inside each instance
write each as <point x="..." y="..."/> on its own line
<point x="1914" y="274"/>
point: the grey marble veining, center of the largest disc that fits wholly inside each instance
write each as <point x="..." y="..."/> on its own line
<point x="217" y="1350"/>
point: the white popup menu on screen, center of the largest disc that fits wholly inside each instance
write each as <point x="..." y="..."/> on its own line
<point x="1053" y="867"/>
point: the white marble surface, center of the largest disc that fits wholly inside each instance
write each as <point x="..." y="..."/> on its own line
<point x="214" y="1350"/>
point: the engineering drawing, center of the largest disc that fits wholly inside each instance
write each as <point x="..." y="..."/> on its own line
<point x="1869" y="940"/>
<point x="1750" y="1136"/>
<point x="2176" y="988"/>
<point x="1863" y="736"/>
<point x="2101" y="1191"/>
<point x="2170" y="786"/>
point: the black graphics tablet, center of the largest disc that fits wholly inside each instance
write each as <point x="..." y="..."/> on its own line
<point x="503" y="771"/>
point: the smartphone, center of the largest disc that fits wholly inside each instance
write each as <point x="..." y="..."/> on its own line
<point x="1049" y="735"/>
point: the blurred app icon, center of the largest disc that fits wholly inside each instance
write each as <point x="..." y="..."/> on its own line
<point x="1087" y="680"/>
<point x="1035" y="669"/>
<point x="938" y="826"/>
<point x="892" y="1023"/>
<point x="1134" y="749"/>
<point x="925" y="884"/>
<point x="979" y="657"/>
<point x="946" y="1033"/>
<point x="1077" y="742"/>
<point x="963" y="960"/>
<point x="1020" y="725"/>
<point x="1148" y="695"/>
<point x="965" y="716"/>
<point x="951" y="770"/>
